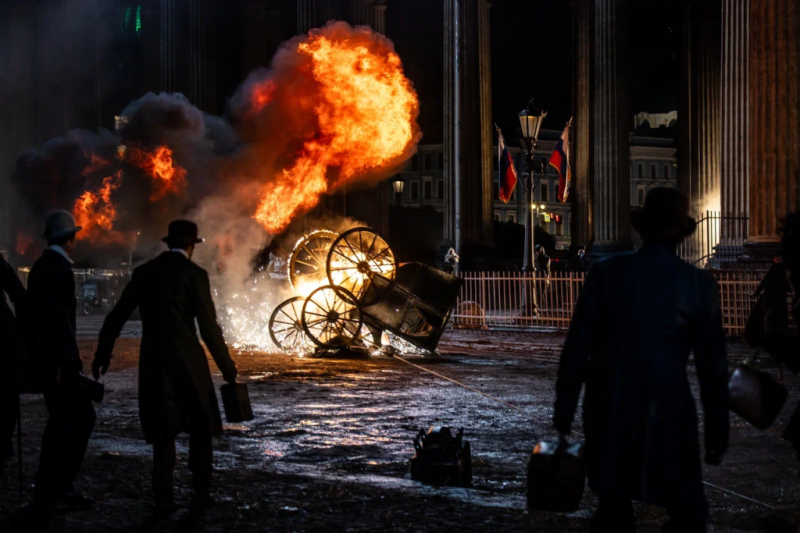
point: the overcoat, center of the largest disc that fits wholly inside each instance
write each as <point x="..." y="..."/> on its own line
<point x="638" y="318"/>
<point x="175" y="388"/>
<point x="51" y="293"/>
<point x="11" y="338"/>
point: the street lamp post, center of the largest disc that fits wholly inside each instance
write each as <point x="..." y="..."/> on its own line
<point x="398" y="184"/>
<point x="530" y="120"/>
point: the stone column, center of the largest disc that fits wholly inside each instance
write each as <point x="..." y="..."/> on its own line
<point x="449" y="124"/>
<point x="735" y="132"/>
<point x="187" y="46"/>
<point x="774" y="117"/>
<point x="683" y="132"/>
<point x="487" y="122"/>
<point x="202" y="55"/>
<point x="306" y="15"/>
<point x="464" y="119"/>
<point x="610" y="146"/>
<point x="581" y="220"/>
<point x="379" y="16"/>
<point x="361" y="13"/>
<point x="705" y="118"/>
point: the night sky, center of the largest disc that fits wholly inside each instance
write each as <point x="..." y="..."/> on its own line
<point x="531" y="57"/>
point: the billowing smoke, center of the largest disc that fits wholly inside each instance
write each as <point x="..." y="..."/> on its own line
<point x="334" y="109"/>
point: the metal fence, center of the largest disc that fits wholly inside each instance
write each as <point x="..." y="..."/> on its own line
<point x="497" y="300"/>
<point x="80" y="274"/>
<point x="718" y="239"/>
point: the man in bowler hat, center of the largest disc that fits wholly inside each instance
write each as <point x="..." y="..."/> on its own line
<point x="176" y="393"/>
<point x="71" y="416"/>
<point x="637" y="320"/>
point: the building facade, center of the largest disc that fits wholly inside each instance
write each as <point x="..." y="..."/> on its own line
<point x="653" y="164"/>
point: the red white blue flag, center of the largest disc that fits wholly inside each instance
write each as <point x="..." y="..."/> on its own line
<point x="508" y="173"/>
<point x="560" y="161"/>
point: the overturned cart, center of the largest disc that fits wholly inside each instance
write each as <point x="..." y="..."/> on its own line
<point x="359" y="293"/>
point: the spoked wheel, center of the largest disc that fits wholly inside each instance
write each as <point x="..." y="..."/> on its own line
<point x="331" y="317"/>
<point x="88" y="308"/>
<point x="309" y="257"/>
<point x="286" y="327"/>
<point x="355" y="258"/>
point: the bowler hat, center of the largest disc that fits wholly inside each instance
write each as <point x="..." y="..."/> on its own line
<point x="60" y="224"/>
<point x="665" y="215"/>
<point x="182" y="233"/>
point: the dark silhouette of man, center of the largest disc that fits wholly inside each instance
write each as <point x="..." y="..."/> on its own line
<point x="768" y="323"/>
<point x="175" y="389"/>
<point x="11" y="339"/>
<point x="790" y="243"/>
<point x="637" y="320"/>
<point x="71" y="416"/>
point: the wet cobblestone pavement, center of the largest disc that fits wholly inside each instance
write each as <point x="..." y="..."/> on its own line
<point x="330" y="444"/>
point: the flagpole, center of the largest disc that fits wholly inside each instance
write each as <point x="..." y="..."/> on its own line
<point x="457" y="134"/>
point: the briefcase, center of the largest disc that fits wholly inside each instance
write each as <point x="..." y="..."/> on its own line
<point x="236" y="402"/>
<point x="556" y="476"/>
<point x="755" y="396"/>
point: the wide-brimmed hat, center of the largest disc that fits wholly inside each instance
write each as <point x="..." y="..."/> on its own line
<point x="665" y="215"/>
<point x="60" y="224"/>
<point x="182" y="233"/>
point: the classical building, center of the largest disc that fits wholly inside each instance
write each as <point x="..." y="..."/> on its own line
<point x="652" y="164"/>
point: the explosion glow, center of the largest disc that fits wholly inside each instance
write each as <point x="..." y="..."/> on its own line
<point x="158" y="164"/>
<point x="95" y="212"/>
<point x="366" y="113"/>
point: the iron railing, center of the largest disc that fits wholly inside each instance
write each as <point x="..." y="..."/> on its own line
<point x="497" y="300"/>
<point x="718" y="240"/>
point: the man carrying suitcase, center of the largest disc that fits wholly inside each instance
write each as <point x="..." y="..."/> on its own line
<point x="637" y="320"/>
<point x="175" y="389"/>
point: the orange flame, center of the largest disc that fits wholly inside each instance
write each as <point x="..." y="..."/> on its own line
<point x="24" y="243"/>
<point x="168" y="177"/>
<point x="96" y="163"/>
<point x="366" y="113"/>
<point x="95" y="213"/>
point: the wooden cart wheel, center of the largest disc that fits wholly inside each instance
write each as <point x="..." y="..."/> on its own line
<point x="354" y="258"/>
<point x="307" y="265"/>
<point x="331" y="317"/>
<point x="286" y="327"/>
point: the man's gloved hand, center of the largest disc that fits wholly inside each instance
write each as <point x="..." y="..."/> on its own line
<point x="714" y="458"/>
<point x="100" y="365"/>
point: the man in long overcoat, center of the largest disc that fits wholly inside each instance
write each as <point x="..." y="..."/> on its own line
<point x="71" y="416"/>
<point x="11" y="340"/>
<point x="175" y="389"/>
<point x="637" y="320"/>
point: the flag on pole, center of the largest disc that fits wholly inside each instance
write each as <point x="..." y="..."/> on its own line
<point x="508" y="172"/>
<point x="560" y="161"/>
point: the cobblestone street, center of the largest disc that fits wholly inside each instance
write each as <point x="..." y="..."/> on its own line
<point x="330" y="445"/>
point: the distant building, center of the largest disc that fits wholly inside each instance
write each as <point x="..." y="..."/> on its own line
<point x="653" y="164"/>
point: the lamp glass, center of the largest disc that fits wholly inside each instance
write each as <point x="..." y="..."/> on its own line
<point x="399" y="185"/>
<point x="530" y="120"/>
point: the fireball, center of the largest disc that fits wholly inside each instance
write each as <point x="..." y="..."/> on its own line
<point x="95" y="213"/>
<point x="365" y="111"/>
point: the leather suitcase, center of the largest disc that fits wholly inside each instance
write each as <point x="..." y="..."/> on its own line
<point x="755" y="396"/>
<point x="556" y="476"/>
<point x="236" y="402"/>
